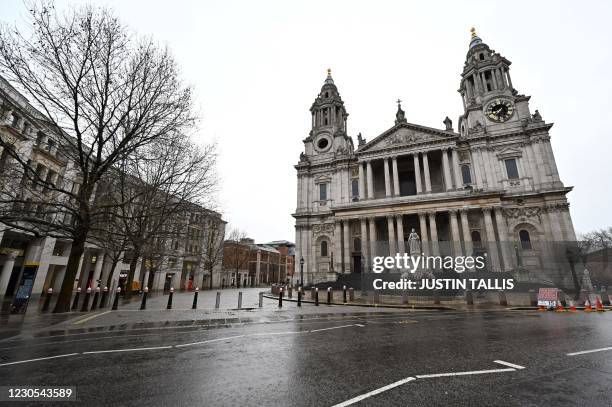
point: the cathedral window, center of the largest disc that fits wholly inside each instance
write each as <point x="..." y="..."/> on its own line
<point x="466" y="174"/>
<point x="323" y="192"/>
<point x="512" y="169"/>
<point x="476" y="239"/>
<point x="323" y="143"/>
<point x="357" y="245"/>
<point x="525" y="240"/>
<point x="481" y="56"/>
<point x="324" y="248"/>
<point x="355" y="188"/>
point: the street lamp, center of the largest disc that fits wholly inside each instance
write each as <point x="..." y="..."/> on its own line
<point x="301" y="272"/>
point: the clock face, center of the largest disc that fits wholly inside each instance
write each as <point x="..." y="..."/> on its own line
<point x="499" y="110"/>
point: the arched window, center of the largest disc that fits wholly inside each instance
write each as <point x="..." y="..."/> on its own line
<point x="525" y="239"/>
<point x="324" y="248"/>
<point x="466" y="174"/>
<point x="476" y="238"/>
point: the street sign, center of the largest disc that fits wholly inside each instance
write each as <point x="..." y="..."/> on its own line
<point x="548" y="297"/>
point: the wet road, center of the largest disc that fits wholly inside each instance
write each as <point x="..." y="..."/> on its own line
<point x="499" y="358"/>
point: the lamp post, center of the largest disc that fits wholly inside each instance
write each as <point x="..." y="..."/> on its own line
<point x="301" y="272"/>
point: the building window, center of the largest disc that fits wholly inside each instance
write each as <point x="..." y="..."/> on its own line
<point x="15" y="121"/>
<point x="324" y="248"/>
<point x="512" y="169"/>
<point x="466" y="174"/>
<point x="323" y="192"/>
<point x="355" y="188"/>
<point x="357" y="245"/>
<point x="525" y="240"/>
<point x="476" y="238"/>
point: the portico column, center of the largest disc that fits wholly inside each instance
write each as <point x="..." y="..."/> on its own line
<point x="372" y="224"/>
<point x="454" y="225"/>
<point x="417" y="173"/>
<point x="337" y="246"/>
<point x="427" y="176"/>
<point x="391" y="229"/>
<point x="7" y="270"/>
<point x="434" y="234"/>
<point x="446" y="170"/>
<point x="396" y="187"/>
<point x="491" y="244"/>
<point x="424" y="234"/>
<point x="387" y="179"/>
<point x="370" y="178"/>
<point x="362" y="190"/>
<point x="347" y="245"/>
<point x="98" y="271"/>
<point x="365" y="244"/>
<point x="467" y="236"/>
<point x="504" y="242"/>
<point x="401" y="249"/>
<point x="456" y="169"/>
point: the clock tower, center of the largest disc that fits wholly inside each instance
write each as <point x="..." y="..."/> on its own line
<point x="491" y="104"/>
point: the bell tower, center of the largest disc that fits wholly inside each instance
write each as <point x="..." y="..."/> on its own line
<point x="490" y="101"/>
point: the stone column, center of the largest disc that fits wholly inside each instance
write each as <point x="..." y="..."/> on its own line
<point x="373" y="240"/>
<point x="491" y="243"/>
<point x="97" y="271"/>
<point x="417" y="173"/>
<point x="365" y="244"/>
<point x="7" y="270"/>
<point x="370" y="178"/>
<point x="391" y="230"/>
<point x="467" y="235"/>
<point x="446" y="170"/>
<point x="454" y="225"/>
<point x="457" y="169"/>
<point x="346" y="225"/>
<point x="401" y="248"/>
<point x="435" y="250"/>
<point x="570" y="234"/>
<point x="396" y="185"/>
<point x="533" y="166"/>
<point x="426" y="171"/>
<point x="387" y="179"/>
<point x="362" y="190"/>
<point x="337" y="246"/>
<point x="424" y="235"/>
<point x="502" y="230"/>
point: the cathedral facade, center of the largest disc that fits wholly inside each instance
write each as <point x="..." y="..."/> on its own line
<point x="491" y="186"/>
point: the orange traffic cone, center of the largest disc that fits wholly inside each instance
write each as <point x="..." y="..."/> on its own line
<point x="598" y="305"/>
<point x="572" y="307"/>
<point x="542" y="308"/>
<point x="587" y="306"/>
<point x="560" y="308"/>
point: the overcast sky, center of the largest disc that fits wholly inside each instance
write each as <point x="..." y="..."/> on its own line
<point x="256" y="67"/>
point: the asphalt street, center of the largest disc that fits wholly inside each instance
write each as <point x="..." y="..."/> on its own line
<point x="324" y="356"/>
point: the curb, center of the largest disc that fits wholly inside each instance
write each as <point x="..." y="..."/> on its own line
<point x="351" y="304"/>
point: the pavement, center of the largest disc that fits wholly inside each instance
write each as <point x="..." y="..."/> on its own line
<point x="316" y="356"/>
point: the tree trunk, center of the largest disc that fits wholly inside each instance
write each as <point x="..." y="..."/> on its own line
<point x="77" y="250"/>
<point x="133" y="263"/>
<point x="211" y="277"/>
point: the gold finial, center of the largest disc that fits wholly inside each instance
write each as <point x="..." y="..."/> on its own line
<point x="473" y="31"/>
<point x="328" y="71"/>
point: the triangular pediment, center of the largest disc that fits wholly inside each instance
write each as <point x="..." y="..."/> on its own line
<point x="406" y="134"/>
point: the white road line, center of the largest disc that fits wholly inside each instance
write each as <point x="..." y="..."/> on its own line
<point x="359" y="325"/>
<point x="374" y="392"/>
<point x="126" y="350"/>
<point x="37" y="359"/>
<point x="89" y="318"/>
<point x="429" y="376"/>
<point x="278" y="333"/>
<point x="333" y="327"/>
<point x="182" y="345"/>
<point x="501" y="362"/>
<point x="588" y="351"/>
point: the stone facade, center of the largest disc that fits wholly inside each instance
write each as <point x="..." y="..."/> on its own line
<point x="492" y="187"/>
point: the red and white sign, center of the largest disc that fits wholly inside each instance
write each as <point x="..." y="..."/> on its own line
<point x="548" y="297"/>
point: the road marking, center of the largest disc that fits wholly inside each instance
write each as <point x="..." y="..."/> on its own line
<point x="278" y="333"/>
<point x="501" y="362"/>
<point x="182" y="345"/>
<point x="37" y="359"/>
<point x="360" y="325"/>
<point x="588" y="351"/>
<point x="429" y="376"/>
<point x="333" y="327"/>
<point x="374" y="392"/>
<point x="89" y="318"/>
<point x="126" y="350"/>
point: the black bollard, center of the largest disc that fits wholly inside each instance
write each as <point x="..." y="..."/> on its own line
<point x="195" y="299"/>
<point x="344" y="294"/>
<point x="85" y="306"/>
<point x="75" y="303"/>
<point x="143" y="304"/>
<point x="104" y="298"/>
<point x="239" y="299"/>
<point x="299" y="304"/>
<point x="94" y="304"/>
<point x="45" y="307"/>
<point x="280" y="298"/>
<point x="218" y="300"/>
<point x="169" y="306"/>
<point x="116" y="300"/>
<point x="316" y="295"/>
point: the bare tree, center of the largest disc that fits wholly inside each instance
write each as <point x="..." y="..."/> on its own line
<point x="237" y="253"/>
<point x="211" y="254"/>
<point x="105" y="93"/>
